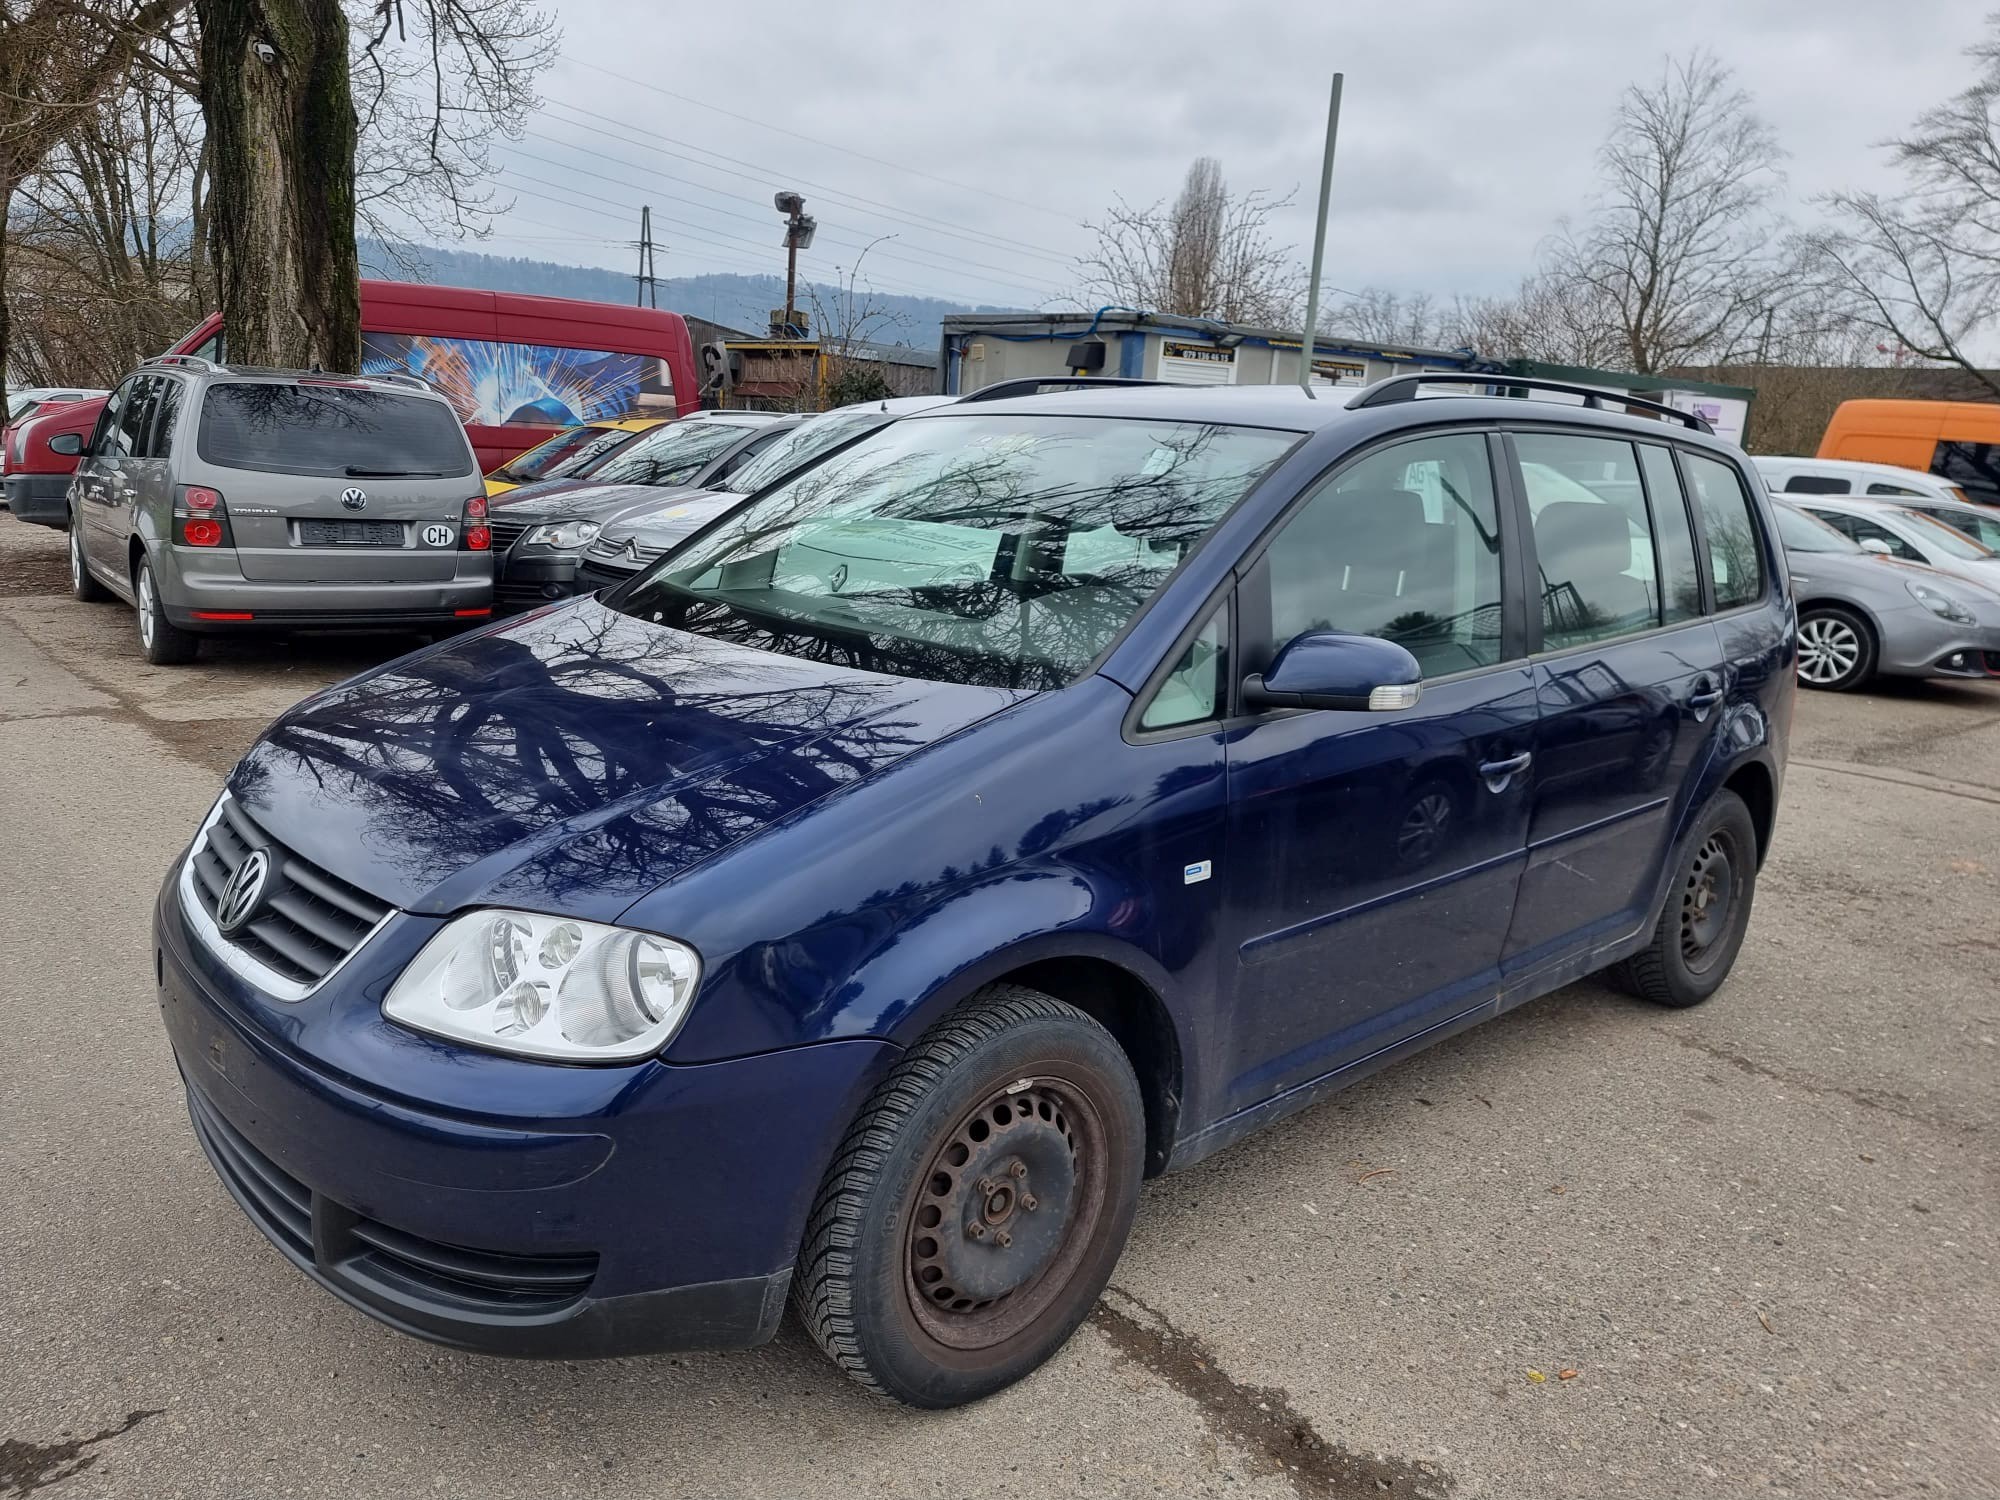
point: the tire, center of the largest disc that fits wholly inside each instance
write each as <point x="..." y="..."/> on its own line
<point x="1694" y="945"/>
<point x="164" y="643"/>
<point x="936" y="1320"/>
<point x="1837" y="649"/>
<point x="83" y="583"/>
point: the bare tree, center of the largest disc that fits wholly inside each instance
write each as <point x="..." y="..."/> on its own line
<point x="1921" y="270"/>
<point x="1677" y="248"/>
<point x="1208" y="254"/>
<point x="1552" y="318"/>
<point x="436" y="83"/>
<point x="108" y="264"/>
<point x="58" y="59"/>
<point x="1387" y="317"/>
<point x="850" y="320"/>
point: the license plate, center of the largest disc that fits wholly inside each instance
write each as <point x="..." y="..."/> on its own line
<point x="350" y="533"/>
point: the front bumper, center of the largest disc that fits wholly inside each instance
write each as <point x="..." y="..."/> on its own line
<point x="526" y="579"/>
<point x="1917" y="643"/>
<point x="40" y="498"/>
<point x="492" y="1203"/>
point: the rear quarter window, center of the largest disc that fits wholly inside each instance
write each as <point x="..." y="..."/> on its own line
<point x="1735" y="540"/>
<point x="330" y="430"/>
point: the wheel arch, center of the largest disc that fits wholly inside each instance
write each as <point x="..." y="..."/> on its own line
<point x="1753" y="782"/>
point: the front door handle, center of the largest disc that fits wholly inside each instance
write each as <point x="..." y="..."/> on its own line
<point x="1499" y="772"/>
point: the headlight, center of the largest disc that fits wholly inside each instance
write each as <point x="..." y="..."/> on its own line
<point x="1941" y="604"/>
<point x="515" y="981"/>
<point x="564" y="536"/>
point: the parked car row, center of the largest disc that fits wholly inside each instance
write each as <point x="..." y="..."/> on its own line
<point x="1897" y="572"/>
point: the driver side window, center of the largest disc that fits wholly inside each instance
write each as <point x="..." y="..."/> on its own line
<point x="1404" y="545"/>
<point x="101" y="436"/>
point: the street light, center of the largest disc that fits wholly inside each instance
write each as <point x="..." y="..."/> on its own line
<point x="799" y="227"/>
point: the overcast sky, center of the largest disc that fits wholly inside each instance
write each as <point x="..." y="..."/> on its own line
<point x="982" y="137"/>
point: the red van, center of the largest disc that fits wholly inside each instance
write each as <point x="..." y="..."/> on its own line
<point x="513" y="367"/>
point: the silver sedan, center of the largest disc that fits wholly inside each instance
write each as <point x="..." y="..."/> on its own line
<point x="1864" y="614"/>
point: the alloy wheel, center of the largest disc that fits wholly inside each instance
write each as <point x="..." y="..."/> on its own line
<point x="75" y="560"/>
<point x="1829" y="650"/>
<point x="146" y="607"/>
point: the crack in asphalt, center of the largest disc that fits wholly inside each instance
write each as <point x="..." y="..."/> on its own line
<point x="26" y="1467"/>
<point x="1896" y="776"/>
<point x="1885" y="1100"/>
<point x="1259" y="1420"/>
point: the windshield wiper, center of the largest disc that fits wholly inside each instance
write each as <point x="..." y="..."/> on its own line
<point x="356" y="471"/>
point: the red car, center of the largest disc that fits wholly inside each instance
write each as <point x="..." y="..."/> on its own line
<point x="515" y="368"/>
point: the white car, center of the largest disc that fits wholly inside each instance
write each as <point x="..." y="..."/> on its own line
<point x="1896" y="529"/>
<point x="1794" y="477"/>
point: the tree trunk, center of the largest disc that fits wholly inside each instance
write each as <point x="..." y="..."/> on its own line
<point x="281" y="143"/>
<point x="6" y="206"/>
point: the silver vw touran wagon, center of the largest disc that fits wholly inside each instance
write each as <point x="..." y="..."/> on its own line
<point x="217" y="499"/>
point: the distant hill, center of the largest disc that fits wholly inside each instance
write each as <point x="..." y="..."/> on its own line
<point x="737" y="301"/>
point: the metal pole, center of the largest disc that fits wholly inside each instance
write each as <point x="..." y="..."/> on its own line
<point x="791" y="278"/>
<point x="1319" y="242"/>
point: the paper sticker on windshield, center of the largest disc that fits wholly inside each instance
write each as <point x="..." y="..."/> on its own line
<point x="438" y="536"/>
<point x="1159" y="461"/>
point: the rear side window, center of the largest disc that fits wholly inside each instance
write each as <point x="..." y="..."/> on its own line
<point x="163" y="422"/>
<point x="1878" y="488"/>
<point x="330" y="430"/>
<point x="1735" y="549"/>
<point x="1817" y="484"/>
<point x="1976" y="466"/>
<point x="1860" y="529"/>
<point x="1404" y="545"/>
<point x="1593" y="538"/>
<point x="1673" y="536"/>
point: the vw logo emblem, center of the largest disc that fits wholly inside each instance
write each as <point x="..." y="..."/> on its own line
<point x="245" y="891"/>
<point x="354" y="498"/>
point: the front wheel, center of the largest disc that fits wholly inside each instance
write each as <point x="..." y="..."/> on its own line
<point x="1836" y="649"/>
<point x="1707" y="912"/>
<point x="165" y="643"/>
<point x="978" y="1204"/>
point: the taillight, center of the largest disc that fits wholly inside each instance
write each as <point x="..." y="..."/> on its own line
<point x="474" y="534"/>
<point x="200" y="517"/>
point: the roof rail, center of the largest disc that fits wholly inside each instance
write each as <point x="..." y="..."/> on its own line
<point x="1405" y="387"/>
<point x="182" y="362"/>
<point x="1034" y="385"/>
<point x="398" y="377"/>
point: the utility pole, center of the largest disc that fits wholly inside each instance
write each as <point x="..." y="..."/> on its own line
<point x="1319" y="242"/>
<point x="648" y="277"/>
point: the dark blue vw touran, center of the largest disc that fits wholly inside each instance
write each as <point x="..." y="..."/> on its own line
<point x="1034" y="796"/>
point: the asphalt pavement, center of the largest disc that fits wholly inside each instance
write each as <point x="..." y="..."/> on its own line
<point x="1591" y="1249"/>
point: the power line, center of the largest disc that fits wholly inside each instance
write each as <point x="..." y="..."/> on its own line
<point x="964" y="187"/>
<point x="763" y="173"/>
<point x="953" y="264"/>
<point x="726" y="242"/>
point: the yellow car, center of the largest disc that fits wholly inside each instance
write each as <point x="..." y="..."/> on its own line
<point x="570" y="453"/>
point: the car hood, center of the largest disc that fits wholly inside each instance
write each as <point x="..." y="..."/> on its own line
<point x="1870" y="573"/>
<point x="677" y="514"/>
<point x="574" y="759"/>
<point x="574" y="501"/>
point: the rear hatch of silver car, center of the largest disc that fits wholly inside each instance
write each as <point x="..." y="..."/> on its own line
<point x="335" y="481"/>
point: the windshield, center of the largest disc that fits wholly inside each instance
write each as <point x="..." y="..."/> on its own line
<point x="1005" y="551"/>
<point x="604" y="442"/>
<point x="536" y="461"/>
<point x="801" y="446"/>
<point x="1803" y="533"/>
<point x="1984" y="528"/>
<point x="1937" y="534"/>
<point x="330" y="430"/>
<point x="672" y="454"/>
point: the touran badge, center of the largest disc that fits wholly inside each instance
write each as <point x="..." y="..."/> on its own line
<point x="354" y="498"/>
<point x="244" y="893"/>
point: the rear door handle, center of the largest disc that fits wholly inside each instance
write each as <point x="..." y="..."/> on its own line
<point x="1499" y="772"/>
<point x="1705" y="696"/>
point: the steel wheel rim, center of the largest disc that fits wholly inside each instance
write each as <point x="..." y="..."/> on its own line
<point x="1829" y="649"/>
<point x="949" y="1196"/>
<point x="146" y="606"/>
<point x="1708" y="902"/>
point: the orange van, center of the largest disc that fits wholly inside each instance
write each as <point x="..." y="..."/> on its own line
<point x="1959" y="441"/>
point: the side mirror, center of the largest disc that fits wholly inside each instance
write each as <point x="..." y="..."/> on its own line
<point x="69" y="444"/>
<point x="1325" y="669"/>
<point x="1873" y="544"/>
